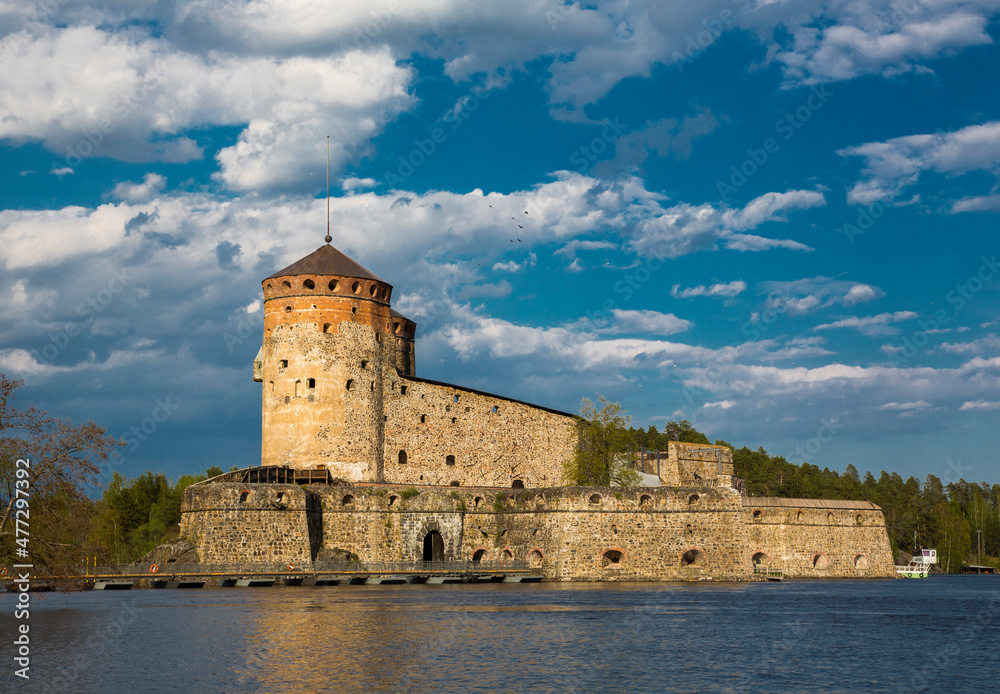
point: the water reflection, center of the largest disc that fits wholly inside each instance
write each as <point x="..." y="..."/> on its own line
<point x="793" y="637"/>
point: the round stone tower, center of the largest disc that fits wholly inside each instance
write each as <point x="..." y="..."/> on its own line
<point x="328" y="341"/>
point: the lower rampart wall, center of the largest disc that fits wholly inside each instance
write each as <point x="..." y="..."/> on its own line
<point x="569" y="533"/>
<point x="232" y="523"/>
<point x="811" y="542"/>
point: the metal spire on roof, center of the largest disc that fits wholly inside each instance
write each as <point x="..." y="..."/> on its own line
<point x="328" y="238"/>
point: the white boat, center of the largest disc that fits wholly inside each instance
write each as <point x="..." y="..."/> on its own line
<point x="920" y="564"/>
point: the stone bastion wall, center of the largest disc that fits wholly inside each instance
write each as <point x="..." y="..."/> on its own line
<point x="813" y="538"/>
<point x="569" y="533"/>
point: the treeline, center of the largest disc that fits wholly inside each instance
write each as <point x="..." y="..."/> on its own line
<point x="957" y="519"/>
<point x="136" y="516"/>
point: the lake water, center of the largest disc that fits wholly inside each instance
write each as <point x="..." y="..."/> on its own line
<point x="941" y="634"/>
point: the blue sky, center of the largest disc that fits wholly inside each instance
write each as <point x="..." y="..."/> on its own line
<point x="775" y="219"/>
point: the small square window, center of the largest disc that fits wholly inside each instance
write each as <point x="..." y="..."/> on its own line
<point x="284" y="363"/>
<point x="402" y="390"/>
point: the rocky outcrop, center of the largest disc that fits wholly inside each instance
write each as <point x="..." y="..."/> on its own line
<point x="179" y="551"/>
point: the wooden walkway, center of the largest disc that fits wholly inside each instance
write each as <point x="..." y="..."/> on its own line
<point x="124" y="577"/>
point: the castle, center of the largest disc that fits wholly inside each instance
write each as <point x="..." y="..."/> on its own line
<point x="361" y="456"/>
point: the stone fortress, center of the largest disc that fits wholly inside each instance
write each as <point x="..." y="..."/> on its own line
<point x="361" y="457"/>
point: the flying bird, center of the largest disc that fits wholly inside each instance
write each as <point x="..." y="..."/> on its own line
<point x="519" y="226"/>
<point x="525" y="212"/>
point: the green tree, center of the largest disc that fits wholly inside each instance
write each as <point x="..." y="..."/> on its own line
<point x="685" y="433"/>
<point x="601" y="457"/>
<point x="63" y="458"/>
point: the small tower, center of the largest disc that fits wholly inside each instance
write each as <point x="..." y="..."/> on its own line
<point x="329" y="340"/>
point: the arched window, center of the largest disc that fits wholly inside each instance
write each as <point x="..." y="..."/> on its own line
<point x="309" y="284"/>
<point x="350" y="384"/>
<point x="332" y="285"/>
<point x="595" y="498"/>
<point x="347" y="500"/>
<point x="612" y="557"/>
<point x="423" y="419"/>
<point x="757" y="515"/>
<point x="326" y="327"/>
<point x="402" y="457"/>
<point x="820" y="561"/>
<point x="286" y="285"/>
<point x="355" y="287"/>
<point x="693" y="557"/>
<point x="450" y="460"/>
<point x="517" y="484"/>
<point x="244" y="496"/>
<point x="645" y="500"/>
<point x="693" y="499"/>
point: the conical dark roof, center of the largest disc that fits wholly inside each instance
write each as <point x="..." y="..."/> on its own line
<point x="327" y="260"/>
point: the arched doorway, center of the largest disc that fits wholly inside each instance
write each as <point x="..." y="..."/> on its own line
<point x="433" y="546"/>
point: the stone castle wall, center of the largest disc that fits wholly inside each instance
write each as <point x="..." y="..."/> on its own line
<point x="442" y="434"/>
<point x="569" y="533"/>
<point x="252" y="523"/>
<point x="809" y="538"/>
